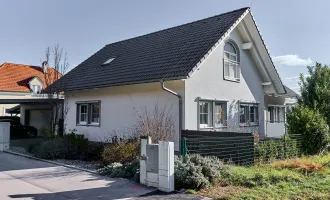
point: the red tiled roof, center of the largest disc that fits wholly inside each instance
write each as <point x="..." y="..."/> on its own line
<point x="16" y="77"/>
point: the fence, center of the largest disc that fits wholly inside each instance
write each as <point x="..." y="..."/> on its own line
<point x="238" y="148"/>
<point x="228" y="146"/>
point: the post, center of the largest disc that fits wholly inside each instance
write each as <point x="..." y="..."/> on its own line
<point x="184" y="147"/>
<point x="143" y="158"/>
<point x="4" y="136"/>
<point x="166" y="166"/>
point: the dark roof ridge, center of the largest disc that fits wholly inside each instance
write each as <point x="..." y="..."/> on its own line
<point x="177" y="26"/>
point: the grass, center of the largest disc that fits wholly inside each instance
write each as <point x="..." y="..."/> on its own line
<point x="305" y="178"/>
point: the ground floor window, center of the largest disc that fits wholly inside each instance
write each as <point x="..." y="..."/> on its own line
<point x="248" y="114"/>
<point x="276" y="114"/>
<point x="88" y="113"/>
<point x="212" y="114"/>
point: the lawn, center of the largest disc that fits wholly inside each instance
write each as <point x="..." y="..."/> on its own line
<point x="305" y="178"/>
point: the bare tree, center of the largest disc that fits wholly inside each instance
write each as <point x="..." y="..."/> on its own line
<point x="58" y="60"/>
<point x="158" y="123"/>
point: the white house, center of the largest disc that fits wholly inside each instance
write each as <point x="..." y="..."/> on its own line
<point x="218" y="69"/>
<point x="20" y="87"/>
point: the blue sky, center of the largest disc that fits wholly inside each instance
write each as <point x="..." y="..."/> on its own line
<point x="295" y="32"/>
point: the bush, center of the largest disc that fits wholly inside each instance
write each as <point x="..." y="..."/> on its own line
<point x="122" y="152"/>
<point x="309" y="127"/>
<point x="272" y="149"/>
<point x="129" y="170"/>
<point x="77" y="140"/>
<point x="57" y="148"/>
<point x="93" y="151"/>
<point x="195" y="171"/>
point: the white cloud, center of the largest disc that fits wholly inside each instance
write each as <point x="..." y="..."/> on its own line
<point x="291" y="60"/>
<point x="295" y="77"/>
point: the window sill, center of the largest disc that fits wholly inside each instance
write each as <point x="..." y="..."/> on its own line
<point x="231" y="79"/>
<point x="93" y="125"/>
<point x="212" y="128"/>
<point x="248" y="125"/>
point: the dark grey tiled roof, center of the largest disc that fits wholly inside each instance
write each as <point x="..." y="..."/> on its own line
<point x="170" y="54"/>
<point x="290" y="93"/>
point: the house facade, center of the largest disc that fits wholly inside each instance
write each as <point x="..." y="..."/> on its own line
<point x="20" y="88"/>
<point x="218" y="67"/>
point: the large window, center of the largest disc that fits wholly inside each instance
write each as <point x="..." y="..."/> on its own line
<point x="249" y="114"/>
<point x="88" y="113"/>
<point x="212" y="114"/>
<point x="231" y="62"/>
<point x="276" y="114"/>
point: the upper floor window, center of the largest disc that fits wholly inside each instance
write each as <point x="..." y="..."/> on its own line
<point x="36" y="89"/>
<point x="231" y="62"/>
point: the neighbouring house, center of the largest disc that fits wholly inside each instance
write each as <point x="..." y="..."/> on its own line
<point x="20" y="88"/>
<point x="276" y="113"/>
<point x="217" y="70"/>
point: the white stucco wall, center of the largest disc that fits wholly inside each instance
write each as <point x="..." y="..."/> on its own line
<point x="208" y="82"/>
<point x="119" y="106"/>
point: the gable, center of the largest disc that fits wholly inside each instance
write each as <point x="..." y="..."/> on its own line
<point x="253" y="43"/>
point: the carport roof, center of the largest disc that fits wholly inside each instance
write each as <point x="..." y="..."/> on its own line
<point x="25" y="101"/>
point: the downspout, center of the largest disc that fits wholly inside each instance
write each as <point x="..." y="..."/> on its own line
<point x="180" y="109"/>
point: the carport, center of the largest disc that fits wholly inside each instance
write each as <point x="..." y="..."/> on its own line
<point x="32" y="111"/>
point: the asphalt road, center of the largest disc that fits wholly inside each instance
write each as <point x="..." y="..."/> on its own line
<point x="26" y="179"/>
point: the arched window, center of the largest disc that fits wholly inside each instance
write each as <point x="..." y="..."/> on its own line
<point x="231" y="61"/>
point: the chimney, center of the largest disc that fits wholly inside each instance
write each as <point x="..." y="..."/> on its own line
<point x="44" y="67"/>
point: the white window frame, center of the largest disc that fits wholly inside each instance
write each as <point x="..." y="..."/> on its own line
<point x="229" y="62"/>
<point x="36" y="89"/>
<point x="80" y="113"/>
<point x="211" y="114"/>
<point x="248" y="121"/>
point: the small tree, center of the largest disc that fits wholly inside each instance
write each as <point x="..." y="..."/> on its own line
<point x="309" y="128"/>
<point x="315" y="90"/>
<point x="159" y="123"/>
<point x="55" y="57"/>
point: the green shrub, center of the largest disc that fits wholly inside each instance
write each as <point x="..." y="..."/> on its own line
<point x="93" y="151"/>
<point x="129" y="170"/>
<point x="309" y="127"/>
<point x="272" y="149"/>
<point x="77" y="140"/>
<point x="195" y="171"/>
<point x="122" y="152"/>
<point x="57" y="148"/>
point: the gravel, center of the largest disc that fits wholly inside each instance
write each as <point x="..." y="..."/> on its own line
<point x="88" y="165"/>
<point x="20" y="150"/>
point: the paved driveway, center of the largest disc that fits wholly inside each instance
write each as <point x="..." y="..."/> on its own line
<point x="23" y="178"/>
